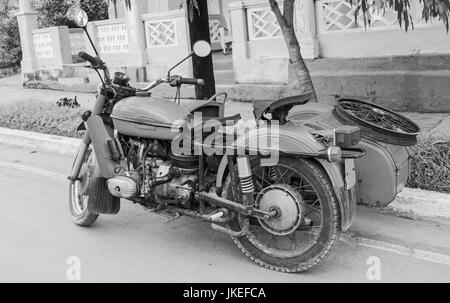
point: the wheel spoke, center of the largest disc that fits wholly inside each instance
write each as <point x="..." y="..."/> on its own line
<point x="303" y="237"/>
<point x="377" y="116"/>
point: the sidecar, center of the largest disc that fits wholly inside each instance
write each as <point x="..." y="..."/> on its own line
<point x="385" y="136"/>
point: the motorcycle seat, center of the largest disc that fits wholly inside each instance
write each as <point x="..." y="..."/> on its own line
<point x="260" y="108"/>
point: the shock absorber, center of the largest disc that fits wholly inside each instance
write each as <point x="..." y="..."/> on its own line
<point x="245" y="175"/>
<point x="272" y="174"/>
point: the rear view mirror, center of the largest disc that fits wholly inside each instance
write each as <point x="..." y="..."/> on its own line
<point x="77" y="15"/>
<point x="202" y="48"/>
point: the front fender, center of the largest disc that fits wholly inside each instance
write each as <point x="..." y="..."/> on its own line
<point x="100" y="134"/>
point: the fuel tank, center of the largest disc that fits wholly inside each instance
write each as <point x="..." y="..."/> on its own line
<point x="381" y="174"/>
<point x="152" y="117"/>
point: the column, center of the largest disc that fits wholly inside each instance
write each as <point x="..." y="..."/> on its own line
<point x="136" y="32"/>
<point x="28" y="21"/>
<point x="306" y="28"/>
<point x="240" y="37"/>
<point x="112" y="10"/>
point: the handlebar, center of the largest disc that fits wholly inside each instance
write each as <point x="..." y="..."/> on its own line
<point x="174" y="81"/>
<point x="178" y="80"/>
<point x="95" y="61"/>
<point x="192" y="81"/>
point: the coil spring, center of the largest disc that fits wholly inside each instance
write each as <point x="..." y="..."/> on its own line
<point x="247" y="186"/>
<point x="272" y="175"/>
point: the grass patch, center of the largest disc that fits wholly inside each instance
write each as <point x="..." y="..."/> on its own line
<point x="42" y="117"/>
<point x="430" y="165"/>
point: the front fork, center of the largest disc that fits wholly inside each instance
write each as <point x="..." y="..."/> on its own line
<point x="97" y="110"/>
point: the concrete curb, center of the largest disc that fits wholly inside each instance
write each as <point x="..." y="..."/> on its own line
<point x="422" y="203"/>
<point x="416" y="202"/>
<point x="41" y="142"/>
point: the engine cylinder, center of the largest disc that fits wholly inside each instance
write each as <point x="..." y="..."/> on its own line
<point x="123" y="187"/>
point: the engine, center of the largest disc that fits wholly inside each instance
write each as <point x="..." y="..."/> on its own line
<point x="155" y="174"/>
<point x="180" y="188"/>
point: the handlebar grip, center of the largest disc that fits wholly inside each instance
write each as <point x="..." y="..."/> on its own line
<point x="94" y="61"/>
<point x="192" y="81"/>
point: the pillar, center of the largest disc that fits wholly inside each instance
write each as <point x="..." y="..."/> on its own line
<point x="306" y="28"/>
<point x="136" y="32"/>
<point x="240" y="37"/>
<point x="28" y="21"/>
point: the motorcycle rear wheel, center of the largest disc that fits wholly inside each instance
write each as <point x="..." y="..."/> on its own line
<point x="263" y="249"/>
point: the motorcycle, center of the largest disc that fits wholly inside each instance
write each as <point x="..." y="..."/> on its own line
<point x="284" y="204"/>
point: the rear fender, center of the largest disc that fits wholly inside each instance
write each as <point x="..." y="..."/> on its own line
<point x="285" y="139"/>
<point x="294" y="139"/>
<point x="346" y="198"/>
<point x="290" y="139"/>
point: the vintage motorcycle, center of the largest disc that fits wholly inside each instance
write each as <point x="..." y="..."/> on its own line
<point x="284" y="203"/>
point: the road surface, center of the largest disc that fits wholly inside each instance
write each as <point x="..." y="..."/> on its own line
<point x="38" y="239"/>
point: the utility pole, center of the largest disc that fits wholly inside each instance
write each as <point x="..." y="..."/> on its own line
<point x="199" y="30"/>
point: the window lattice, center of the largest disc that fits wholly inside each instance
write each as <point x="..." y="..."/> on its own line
<point x="263" y="24"/>
<point x="161" y="33"/>
<point x="214" y="30"/>
<point x="113" y="38"/>
<point x="339" y="15"/>
<point x="43" y="45"/>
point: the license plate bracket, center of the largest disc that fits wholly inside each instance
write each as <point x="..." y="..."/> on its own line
<point x="350" y="174"/>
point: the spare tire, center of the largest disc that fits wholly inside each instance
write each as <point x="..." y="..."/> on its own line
<point x="377" y="123"/>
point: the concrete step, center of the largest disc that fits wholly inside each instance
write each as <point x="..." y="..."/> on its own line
<point x="223" y="64"/>
<point x="224" y="76"/>
<point x="12" y="81"/>
<point x="432" y="62"/>
<point x="73" y="84"/>
<point x="77" y="70"/>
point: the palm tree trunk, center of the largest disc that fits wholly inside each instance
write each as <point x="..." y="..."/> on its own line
<point x="286" y="22"/>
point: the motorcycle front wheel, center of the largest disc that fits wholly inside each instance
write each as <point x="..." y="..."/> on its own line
<point x="89" y="195"/>
<point x="306" y="227"/>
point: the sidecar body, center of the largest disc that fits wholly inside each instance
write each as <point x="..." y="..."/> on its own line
<point x="382" y="173"/>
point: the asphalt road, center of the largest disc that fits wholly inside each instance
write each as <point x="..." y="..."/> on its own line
<point x="37" y="238"/>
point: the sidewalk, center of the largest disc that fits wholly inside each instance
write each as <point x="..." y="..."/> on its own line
<point x="431" y="124"/>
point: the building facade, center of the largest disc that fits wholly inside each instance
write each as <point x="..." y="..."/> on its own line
<point x="146" y="39"/>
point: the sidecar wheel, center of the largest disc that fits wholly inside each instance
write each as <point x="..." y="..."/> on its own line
<point x="305" y="194"/>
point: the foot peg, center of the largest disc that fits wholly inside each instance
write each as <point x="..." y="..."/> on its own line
<point x="214" y="217"/>
<point x="228" y="231"/>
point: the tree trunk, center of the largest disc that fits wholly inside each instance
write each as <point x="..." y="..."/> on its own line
<point x="202" y="67"/>
<point x="286" y="22"/>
